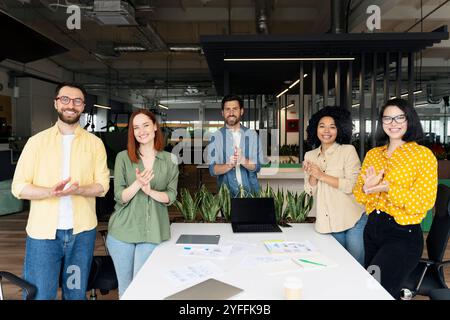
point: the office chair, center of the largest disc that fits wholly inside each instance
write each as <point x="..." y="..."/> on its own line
<point x="30" y="290"/>
<point x="429" y="274"/>
<point x="440" y="294"/>
<point x="103" y="274"/>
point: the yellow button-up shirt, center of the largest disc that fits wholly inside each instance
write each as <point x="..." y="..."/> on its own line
<point x="411" y="172"/>
<point x="40" y="164"/>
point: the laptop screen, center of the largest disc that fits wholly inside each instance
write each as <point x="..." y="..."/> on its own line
<point x="253" y="210"/>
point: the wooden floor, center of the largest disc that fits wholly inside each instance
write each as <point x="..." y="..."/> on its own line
<point x="12" y="238"/>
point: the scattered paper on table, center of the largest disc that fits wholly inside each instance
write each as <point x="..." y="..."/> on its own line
<point x="279" y="267"/>
<point x="281" y="246"/>
<point x="207" y="252"/>
<point x="193" y="272"/>
<point x="240" y="248"/>
<point x="253" y="261"/>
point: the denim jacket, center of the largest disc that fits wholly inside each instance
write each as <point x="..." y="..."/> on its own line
<point x="221" y="148"/>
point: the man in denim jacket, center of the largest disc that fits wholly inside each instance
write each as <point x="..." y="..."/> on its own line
<point x="235" y="151"/>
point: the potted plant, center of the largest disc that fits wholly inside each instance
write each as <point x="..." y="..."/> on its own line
<point x="188" y="206"/>
<point x="278" y="198"/>
<point x="298" y="206"/>
<point x="265" y="193"/>
<point x="209" y="205"/>
<point x="225" y="202"/>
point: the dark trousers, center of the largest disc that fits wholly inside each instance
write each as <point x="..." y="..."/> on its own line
<point x="393" y="248"/>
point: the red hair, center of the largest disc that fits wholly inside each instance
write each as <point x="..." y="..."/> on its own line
<point x="133" y="144"/>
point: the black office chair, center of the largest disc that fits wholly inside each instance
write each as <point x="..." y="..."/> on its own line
<point x="30" y="290"/>
<point x="429" y="274"/>
<point x="440" y="294"/>
<point x="103" y="274"/>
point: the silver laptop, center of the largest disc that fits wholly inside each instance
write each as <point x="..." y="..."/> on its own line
<point x="210" y="289"/>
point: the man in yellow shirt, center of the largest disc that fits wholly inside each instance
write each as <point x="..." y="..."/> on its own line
<point x="61" y="170"/>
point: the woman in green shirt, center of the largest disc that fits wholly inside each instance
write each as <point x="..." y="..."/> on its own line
<point x="145" y="183"/>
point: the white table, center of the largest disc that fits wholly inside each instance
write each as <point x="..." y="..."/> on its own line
<point x="348" y="280"/>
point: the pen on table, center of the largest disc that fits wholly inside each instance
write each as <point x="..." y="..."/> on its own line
<point x="312" y="262"/>
<point x="187" y="248"/>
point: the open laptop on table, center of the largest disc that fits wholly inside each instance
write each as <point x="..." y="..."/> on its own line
<point x="253" y="215"/>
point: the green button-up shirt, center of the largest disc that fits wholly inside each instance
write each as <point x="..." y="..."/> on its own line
<point x="143" y="219"/>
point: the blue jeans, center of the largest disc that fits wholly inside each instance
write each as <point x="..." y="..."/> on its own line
<point x="128" y="258"/>
<point x="353" y="239"/>
<point x="44" y="259"/>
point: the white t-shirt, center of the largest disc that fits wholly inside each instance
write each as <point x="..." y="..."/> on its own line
<point x="65" y="220"/>
<point x="236" y="144"/>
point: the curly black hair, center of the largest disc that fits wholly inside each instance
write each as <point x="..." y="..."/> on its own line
<point x="342" y="119"/>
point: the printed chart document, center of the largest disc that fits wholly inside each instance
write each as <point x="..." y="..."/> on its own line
<point x="193" y="272"/>
<point x="281" y="246"/>
<point x="207" y="251"/>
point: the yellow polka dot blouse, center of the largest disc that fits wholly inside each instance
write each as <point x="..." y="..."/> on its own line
<point x="412" y="175"/>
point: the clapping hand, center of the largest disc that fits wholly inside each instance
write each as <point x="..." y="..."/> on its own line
<point x="373" y="181"/>
<point x="144" y="179"/>
<point x="233" y="160"/>
<point x="383" y="186"/>
<point x="312" y="169"/>
<point x="240" y="159"/>
<point x="59" y="191"/>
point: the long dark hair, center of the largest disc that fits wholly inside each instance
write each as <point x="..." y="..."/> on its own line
<point x="342" y="119"/>
<point x="414" y="132"/>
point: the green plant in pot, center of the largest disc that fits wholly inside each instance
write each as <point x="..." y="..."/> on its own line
<point x="243" y="193"/>
<point x="209" y="205"/>
<point x="188" y="206"/>
<point x="266" y="192"/>
<point x="225" y="202"/>
<point x="298" y="206"/>
<point x="278" y="198"/>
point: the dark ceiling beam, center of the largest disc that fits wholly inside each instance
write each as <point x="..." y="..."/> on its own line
<point x="267" y="77"/>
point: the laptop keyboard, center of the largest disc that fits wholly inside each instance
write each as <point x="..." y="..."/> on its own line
<point x="255" y="228"/>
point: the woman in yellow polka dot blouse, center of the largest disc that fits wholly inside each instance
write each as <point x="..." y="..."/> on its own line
<point x="397" y="185"/>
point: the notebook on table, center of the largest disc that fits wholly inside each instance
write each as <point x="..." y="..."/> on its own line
<point x="253" y="215"/>
<point x="210" y="289"/>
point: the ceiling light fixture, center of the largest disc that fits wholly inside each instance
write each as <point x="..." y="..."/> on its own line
<point x="288" y="106"/>
<point x="287" y="59"/>
<point x="415" y="92"/>
<point x="163" y="106"/>
<point x="283" y="92"/>
<point x="406" y="94"/>
<point x="291" y="86"/>
<point x="102" y="107"/>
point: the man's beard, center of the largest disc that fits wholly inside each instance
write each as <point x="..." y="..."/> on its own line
<point x="66" y="120"/>
<point x="232" y="121"/>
